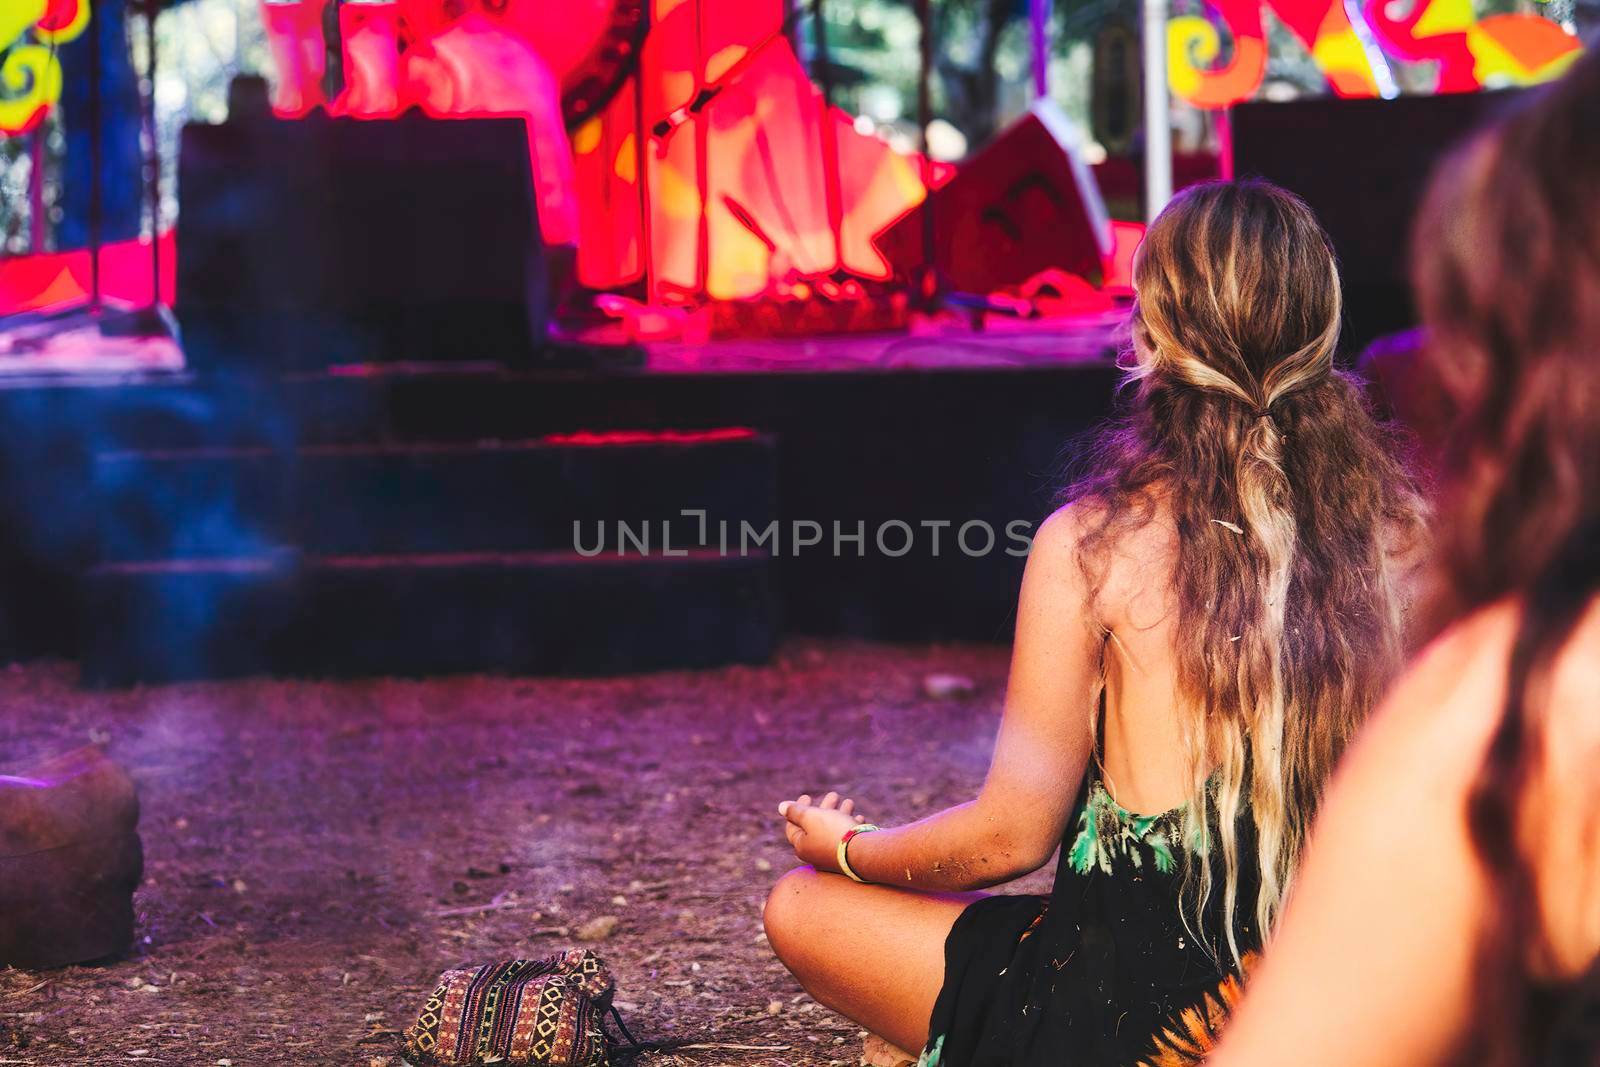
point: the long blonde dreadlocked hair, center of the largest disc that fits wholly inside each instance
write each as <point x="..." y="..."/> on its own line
<point x="1289" y="503"/>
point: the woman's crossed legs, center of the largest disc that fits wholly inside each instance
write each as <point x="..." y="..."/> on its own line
<point x="872" y="953"/>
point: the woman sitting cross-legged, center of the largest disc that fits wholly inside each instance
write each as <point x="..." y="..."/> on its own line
<point x="1201" y="629"/>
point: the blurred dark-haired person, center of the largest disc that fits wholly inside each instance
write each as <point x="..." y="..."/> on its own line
<point x="1201" y="629"/>
<point x="1449" y="908"/>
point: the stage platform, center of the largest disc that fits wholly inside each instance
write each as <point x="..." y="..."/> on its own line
<point x="115" y="476"/>
<point x="1003" y="342"/>
<point x="41" y="349"/>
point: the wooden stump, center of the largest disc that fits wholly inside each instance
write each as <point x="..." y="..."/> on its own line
<point x="70" y="859"/>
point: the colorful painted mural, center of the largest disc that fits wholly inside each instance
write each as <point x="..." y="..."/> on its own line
<point x="30" y="70"/>
<point x="1352" y="43"/>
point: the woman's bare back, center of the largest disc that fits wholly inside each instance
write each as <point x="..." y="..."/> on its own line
<point x="1147" y="766"/>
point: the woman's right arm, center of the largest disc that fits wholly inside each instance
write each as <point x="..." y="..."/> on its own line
<point x="1041" y="752"/>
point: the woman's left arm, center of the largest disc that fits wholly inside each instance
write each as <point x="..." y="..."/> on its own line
<point x="1040" y="755"/>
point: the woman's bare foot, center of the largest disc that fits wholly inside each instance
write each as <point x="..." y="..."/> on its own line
<point x="876" y="1052"/>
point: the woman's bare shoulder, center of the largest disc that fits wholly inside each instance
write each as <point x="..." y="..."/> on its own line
<point x="1426" y="741"/>
<point x="1457" y="685"/>
<point x="1478" y="643"/>
<point x="1123" y="556"/>
<point x="1573" y="714"/>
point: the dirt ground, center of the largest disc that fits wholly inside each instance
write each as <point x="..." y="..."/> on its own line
<point x="316" y="853"/>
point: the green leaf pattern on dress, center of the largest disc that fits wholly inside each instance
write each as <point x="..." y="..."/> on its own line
<point x="1107" y="832"/>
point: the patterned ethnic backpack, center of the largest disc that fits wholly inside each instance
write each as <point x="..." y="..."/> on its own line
<point x="543" y="1013"/>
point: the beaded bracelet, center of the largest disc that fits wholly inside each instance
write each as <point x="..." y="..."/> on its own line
<point x="844" y="848"/>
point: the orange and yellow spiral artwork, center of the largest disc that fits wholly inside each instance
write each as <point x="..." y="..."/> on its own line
<point x="30" y="70"/>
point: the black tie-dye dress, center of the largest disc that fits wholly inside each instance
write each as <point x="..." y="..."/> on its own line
<point x="1104" y="971"/>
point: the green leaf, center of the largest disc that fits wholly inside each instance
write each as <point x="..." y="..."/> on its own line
<point x="1162" y="850"/>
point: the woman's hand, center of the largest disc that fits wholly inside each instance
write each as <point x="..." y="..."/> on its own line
<point x="814" y="830"/>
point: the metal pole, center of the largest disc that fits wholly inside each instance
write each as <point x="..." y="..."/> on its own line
<point x="928" y="283"/>
<point x="95" y="154"/>
<point x="1157" y="124"/>
<point x="1039" y="32"/>
<point x="36" y="208"/>
<point x="822" y="72"/>
<point x="822" y="64"/>
<point x="151" y="10"/>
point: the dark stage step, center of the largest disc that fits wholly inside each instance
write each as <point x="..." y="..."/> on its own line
<point x="414" y="615"/>
<point x="429" y="558"/>
<point x="513" y="496"/>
